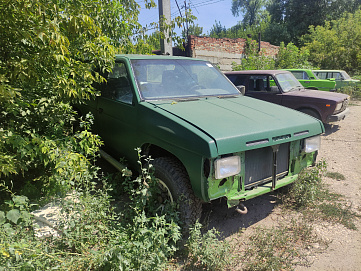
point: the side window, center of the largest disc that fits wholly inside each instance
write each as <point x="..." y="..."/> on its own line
<point x="337" y="76"/>
<point x="118" y="86"/>
<point x="258" y="83"/>
<point x="305" y="76"/>
<point x="238" y="80"/>
<point x="321" y="75"/>
<point x="298" y="75"/>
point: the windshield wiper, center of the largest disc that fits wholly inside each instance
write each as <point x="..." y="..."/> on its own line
<point x="186" y="99"/>
<point x="227" y="96"/>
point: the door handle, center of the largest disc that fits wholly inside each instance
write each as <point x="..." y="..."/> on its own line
<point x="100" y="110"/>
<point x="307" y="82"/>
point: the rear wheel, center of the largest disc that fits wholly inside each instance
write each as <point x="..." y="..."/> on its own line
<point x="174" y="186"/>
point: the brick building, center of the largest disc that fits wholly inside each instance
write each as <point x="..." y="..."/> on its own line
<point x="222" y="52"/>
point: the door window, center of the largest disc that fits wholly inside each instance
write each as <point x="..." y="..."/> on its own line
<point x="118" y="85"/>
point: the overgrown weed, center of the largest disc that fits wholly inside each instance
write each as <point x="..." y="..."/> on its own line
<point x="310" y="195"/>
<point x="281" y="247"/>
<point x="206" y="251"/>
<point x="335" y="175"/>
<point x="95" y="234"/>
<point x="353" y="91"/>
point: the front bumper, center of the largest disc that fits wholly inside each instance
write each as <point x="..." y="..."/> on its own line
<point x="338" y="117"/>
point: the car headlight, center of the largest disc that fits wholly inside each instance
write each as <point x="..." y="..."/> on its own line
<point x="338" y="107"/>
<point x="312" y="144"/>
<point x="226" y="167"/>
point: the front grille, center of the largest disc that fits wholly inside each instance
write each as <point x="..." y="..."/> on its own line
<point x="259" y="164"/>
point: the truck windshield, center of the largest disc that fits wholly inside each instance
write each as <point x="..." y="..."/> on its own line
<point x="182" y="79"/>
<point x="345" y="75"/>
<point x="288" y="82"/>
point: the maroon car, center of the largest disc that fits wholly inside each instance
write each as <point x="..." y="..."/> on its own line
<point x="281" y="87"/>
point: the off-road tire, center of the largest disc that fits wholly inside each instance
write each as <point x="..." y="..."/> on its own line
<point x="174" y="175"/>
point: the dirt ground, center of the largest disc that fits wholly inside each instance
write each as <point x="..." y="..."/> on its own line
<point x="341" y="149"/>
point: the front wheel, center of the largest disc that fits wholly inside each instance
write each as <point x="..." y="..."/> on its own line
<point x="174" y="181"/>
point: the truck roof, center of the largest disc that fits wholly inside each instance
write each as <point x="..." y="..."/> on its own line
<point x="270" y="72"/>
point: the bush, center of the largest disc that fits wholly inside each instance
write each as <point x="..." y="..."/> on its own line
<point x="93" y="235"/>
<point x="206" y="250"/>
<point x="307" y="189"/>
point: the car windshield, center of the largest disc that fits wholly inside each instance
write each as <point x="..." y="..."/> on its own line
<point x="345" y="75"/>
<point x="180" y="79"/>
<point x="288" y="82"/>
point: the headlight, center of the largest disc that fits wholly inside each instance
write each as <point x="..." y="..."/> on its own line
<point x="338" y="107"/>
<point x="226" y="167"/>
<point x="312" y="144"/>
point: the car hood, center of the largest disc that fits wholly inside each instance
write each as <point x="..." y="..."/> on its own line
<point x="318" y="94"/>
<point x="243" y="123"/>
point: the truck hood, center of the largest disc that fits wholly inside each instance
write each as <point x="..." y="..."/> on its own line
<point x="318" y="94"/>
<point x="243" y="123"/>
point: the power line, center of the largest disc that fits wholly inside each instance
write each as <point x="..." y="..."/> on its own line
<point x="176" y="9"/>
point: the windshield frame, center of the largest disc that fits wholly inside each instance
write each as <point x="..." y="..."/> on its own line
<point x="185" y="84"/>
<point x="291" y="84"/>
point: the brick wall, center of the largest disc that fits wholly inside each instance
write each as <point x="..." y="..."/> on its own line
<point x="223" y="52"/>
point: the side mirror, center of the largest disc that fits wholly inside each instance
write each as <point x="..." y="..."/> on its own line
<point x="242" y="89"/>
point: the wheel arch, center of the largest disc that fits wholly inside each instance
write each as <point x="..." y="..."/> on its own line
<point x="316" y="112"/>
<point x="190" y="163"/>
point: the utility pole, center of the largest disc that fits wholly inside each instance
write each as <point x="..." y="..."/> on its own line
<point x="164" y="16"/>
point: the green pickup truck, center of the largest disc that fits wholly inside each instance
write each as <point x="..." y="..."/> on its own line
<point x="341" y="77"/>
<point x="309" y="80"/>
<point x="207" y="140"/>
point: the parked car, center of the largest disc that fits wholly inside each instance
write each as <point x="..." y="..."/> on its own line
<point x="281" y="87"/>
<point x="341" y="77"/>
<point x="310" y="80"/>
<point x="207" y="140"/>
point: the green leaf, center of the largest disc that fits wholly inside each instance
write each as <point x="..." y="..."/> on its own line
<point x="13" y="215"/>
<point x="2" y="218"/>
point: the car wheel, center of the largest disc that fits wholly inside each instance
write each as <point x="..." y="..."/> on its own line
<point x="175" y="186"/>
<point x="311" y="112"/>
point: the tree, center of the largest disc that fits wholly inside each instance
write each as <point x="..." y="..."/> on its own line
<point x="48" y="50"/>
<point x="217" y="30"/>
<point x="290" y="57"/>
<point x="254" y="60"/>
<point x="292" y="18"/>
<point x="193" y="29"/>
<point x="336" y="45"/>
<point x="251" y="10"/>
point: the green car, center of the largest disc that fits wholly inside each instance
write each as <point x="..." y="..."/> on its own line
<point x="208" y="141"/>
<point x="341" y="77"/>
<point x="309" y="80"/>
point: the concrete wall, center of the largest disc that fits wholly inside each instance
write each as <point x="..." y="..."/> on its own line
<point x="223" y="52"/>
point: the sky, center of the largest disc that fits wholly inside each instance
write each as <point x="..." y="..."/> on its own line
<point x="208" y="13"/>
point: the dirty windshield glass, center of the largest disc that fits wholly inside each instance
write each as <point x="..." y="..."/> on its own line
<point x="288" y="82"/>
<point x="174" y="78"/>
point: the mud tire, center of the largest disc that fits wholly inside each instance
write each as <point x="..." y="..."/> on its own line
<point x="175" y="177"/>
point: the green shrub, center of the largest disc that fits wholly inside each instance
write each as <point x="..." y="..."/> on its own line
<point x="93" y="235"/>
<point x="206" y="250"/>
<point x="306" y="190"/>
<point x="353" y="91"/>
